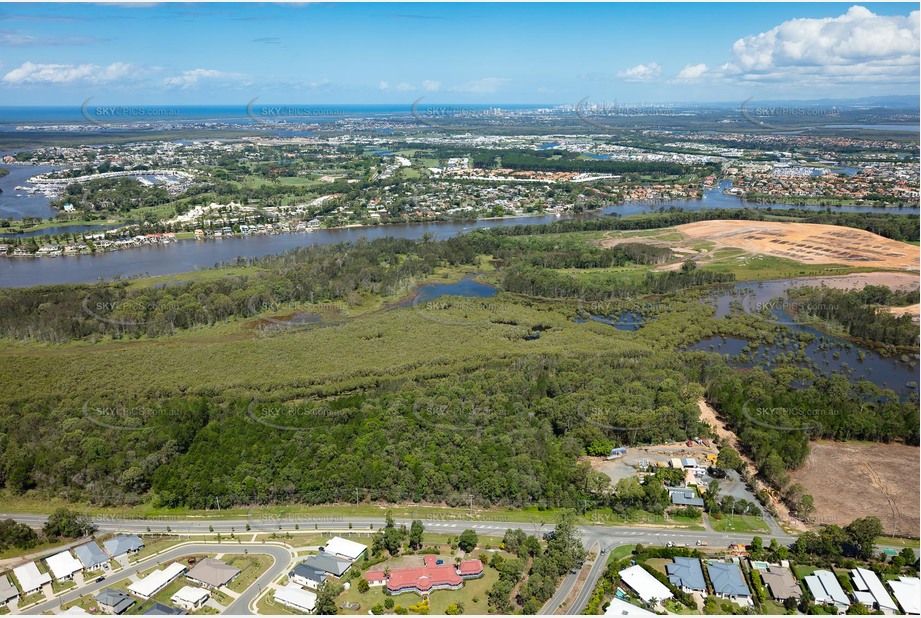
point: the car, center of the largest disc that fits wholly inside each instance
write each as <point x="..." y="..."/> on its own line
<point x="100" y="578"/>
<point x="603" y="550"/>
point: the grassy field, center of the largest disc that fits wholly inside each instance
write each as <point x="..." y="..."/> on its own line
<point x="251" y="567"/>
<point x="892" y="541"/>
<point x="739" y="523"/>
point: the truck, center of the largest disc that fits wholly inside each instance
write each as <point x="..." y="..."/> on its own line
<point x="702" y="543"/>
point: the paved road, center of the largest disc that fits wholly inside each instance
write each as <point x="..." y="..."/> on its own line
<point x="607" y="537"/>
<point x="281" y="555"/>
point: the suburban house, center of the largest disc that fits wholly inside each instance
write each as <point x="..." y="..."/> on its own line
<point x="432" y="575"/>
<point x="907" y="591"/>
<point x="30" y="578"/>
<point x="826" y="590"/>
<point x="685" y="497"/>
<point x="123" y="544"/>
<point x="156" y="581"/>
<point x="8" y="591"/>
<point x="869" y="590"/>
<point x="328" y="564"/>
<point x="781" y="583"/>
<point x="650" y="589"/>
<point x="686" y="574"/>
<point x="728" y="581"/>
<point x="344" y="548"/>
<point x="212" y="573"/>
<point x="190" y="598"/>
<point x="297" y="598"/>
<point x="74" y="610"/>
<point x="376" y="578"/>
<point x="91" y="556"/>
<point x="113" y="601"/>
<point x="63" y="565"/>
<point x="305" y="575"/>
<point x="621" y="608"/>
<point x="159" y="609"/>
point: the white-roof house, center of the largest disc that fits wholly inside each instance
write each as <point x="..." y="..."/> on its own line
<point x="156" y="581"/>
<point x="907" y="591"/>
<point x="190" y="598"/>
<point x="344" y="548"/>
<point x="296" y="597"/>
<point x="645" y="585"/>
<point x="30" y="578"/>
<point x="63" y="565"/>
<point x="825" y="589"/>
<point x="867" y="581"/>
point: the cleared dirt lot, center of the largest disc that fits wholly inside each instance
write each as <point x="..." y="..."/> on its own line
<point x="850" y="480"/>
<point x="807" y="242"/>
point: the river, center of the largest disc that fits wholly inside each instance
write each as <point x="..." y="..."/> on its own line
<point x="190" y="255"/>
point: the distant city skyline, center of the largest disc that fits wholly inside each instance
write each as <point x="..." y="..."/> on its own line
<point x="229" y="54"/>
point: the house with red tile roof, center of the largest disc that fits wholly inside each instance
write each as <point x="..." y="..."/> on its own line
<point x="430" y="576"/>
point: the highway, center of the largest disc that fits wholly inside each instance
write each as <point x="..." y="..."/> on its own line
<point x="594" y="537"/>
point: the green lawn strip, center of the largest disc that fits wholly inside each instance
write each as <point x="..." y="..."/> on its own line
<point x="251" y="567"/>
<point x="739" y="523"/>
<point x="58" y="586"/>
<point x="893" y="541"/>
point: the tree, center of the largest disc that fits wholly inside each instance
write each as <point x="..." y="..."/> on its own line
<point x="908" y="556"/>
<point x="326" y="599"/>
<point x="862" y="534"/>
<point x="415" y="534"/>
<point x="67" y="524"/>
<point x="757" y="547"/>
<point x="467" y="540"/>
<point x="513" y="539"/>
<point x="15" y="534"/>
<point x="454" y="609"/>
<point x="729" y="459"/>
<point x="363" y="585"/>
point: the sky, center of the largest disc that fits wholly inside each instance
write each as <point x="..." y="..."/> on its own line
<point x="328" y="53"/>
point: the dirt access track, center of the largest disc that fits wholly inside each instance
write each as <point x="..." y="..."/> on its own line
<point x="848" y="480"/>
<point x="809" y="243"/>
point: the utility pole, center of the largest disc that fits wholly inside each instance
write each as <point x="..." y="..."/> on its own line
<point x="470" y="498"/>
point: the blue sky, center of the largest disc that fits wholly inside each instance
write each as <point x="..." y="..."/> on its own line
<point x="458" y="53"/>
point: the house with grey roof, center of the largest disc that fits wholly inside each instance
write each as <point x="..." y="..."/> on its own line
<point x="685" y="497"/>
<point x="728" y="581"/>
<point x="8" y="591"/>
<point x="159" y="609"/>
<point x="113" y="601"/>
<point x="781" y="583"/>
<point x="91" y="556"/>
<point x="212" y="573"/>
<point x="328" y="564"/>
<point x="306" y="575"/>
<point x="686" y="574"/>
<point x="123" y="544"/>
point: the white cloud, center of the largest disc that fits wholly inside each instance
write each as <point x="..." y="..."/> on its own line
<point x="487" y="85"/>
<point x="383" y="85"/>
<point x="191" y="78"/>
<point x="857" y="44"/>
<point x="430" y="85"/>
<point x="692" y="71"/>
<point x="641" y="72"/>
<point x="34" y="73"/>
